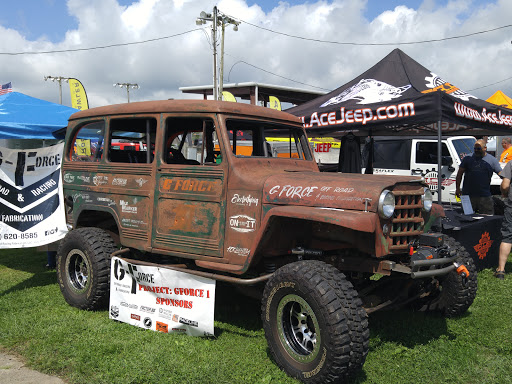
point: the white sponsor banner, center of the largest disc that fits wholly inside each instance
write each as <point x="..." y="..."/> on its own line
<point x="31" y="203"/>
<point x="161" y="299"/>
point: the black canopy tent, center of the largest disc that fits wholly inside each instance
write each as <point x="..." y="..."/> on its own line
<point x="398" y="96"/>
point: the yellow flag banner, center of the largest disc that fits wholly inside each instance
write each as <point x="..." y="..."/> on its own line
<point x="228" y="96"/>
<point x="78" y="95"/>
<point x="274" y="103"/>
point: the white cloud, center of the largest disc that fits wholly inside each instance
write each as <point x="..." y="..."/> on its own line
<point x="161" y="67"/>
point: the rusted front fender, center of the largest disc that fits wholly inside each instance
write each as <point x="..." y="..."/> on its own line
<point x="356" y="221"/>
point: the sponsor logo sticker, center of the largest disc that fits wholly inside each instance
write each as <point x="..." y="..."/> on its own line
<point x="242" y="223"/>
<point x="100" y="180"/>
<point x="246" y="201"/>
<point x="239" y="251"/>
<point x="140" y="181"/>
<point x="69" y="178"/>
<point x="192" y="323"/>
<point x="147" y="322"/>
<point x="126" y="207"/>
<point x="119" y="182"/>
<point x="162" y="327"/>
<point x="114" y="311"/>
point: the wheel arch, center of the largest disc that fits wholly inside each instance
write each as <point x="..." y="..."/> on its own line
<point x="286" y="227"/>
<point x="99" y="217"/>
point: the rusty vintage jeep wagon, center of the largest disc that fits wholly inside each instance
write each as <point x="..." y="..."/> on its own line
<point x="196" y="186"/>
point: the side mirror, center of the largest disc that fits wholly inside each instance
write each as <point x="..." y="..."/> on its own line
<point x="446" y="160"/>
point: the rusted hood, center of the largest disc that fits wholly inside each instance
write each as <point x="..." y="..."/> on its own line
<point x="330" y="190"/>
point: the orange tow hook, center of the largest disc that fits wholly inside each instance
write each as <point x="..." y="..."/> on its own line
<point x="461" y="270"/>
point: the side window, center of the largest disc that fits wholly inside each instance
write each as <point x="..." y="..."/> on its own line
<point x="260" y="139"/>
<point x="89" y="143"/>
<point x="392" y="154"/>
<point x="242" y="143"/>
<point x="191" y="141"/>
<point x="132" y="140"/>
<point x="426" y="152"/>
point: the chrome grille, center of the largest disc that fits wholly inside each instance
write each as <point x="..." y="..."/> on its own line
<point x="407" y="221"/>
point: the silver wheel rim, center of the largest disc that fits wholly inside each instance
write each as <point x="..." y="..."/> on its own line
<point x="298" y="328"/>
<point x="77" y="270"/>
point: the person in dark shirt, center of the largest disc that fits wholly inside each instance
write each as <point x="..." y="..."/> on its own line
<point x="477" y="170"/>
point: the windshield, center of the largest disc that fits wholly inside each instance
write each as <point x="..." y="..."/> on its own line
<point x="262" y="139"/>
<point x="464" y="147"/>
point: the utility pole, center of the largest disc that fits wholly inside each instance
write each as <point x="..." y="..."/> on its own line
<point x="218" y="18"/>
<point x="224" y="20"/>
<point x="59" y="80"/>
<point x="127" y="86"/>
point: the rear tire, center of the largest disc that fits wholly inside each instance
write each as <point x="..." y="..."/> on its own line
<point x="455" y="294"/>
<point x="314" y="323"/>
<point x="83" y="267"/>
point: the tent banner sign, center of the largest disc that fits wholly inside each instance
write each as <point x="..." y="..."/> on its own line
<point x="31" y="202"/>
<point x="398" y="95"/>
<point x="161" y="299"/>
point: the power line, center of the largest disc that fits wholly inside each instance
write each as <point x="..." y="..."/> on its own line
<point x="377" y="44"/>
<point x="100" y="47"/>
<point x="488" y="85"/>
<point x="271" y="73"/>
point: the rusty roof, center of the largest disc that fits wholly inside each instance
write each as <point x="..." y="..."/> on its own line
<point x="190" y="106"/>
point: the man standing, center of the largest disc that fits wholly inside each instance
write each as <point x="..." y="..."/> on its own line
<point x="506" y="225"/>
<point x="477" y="170"/>
<point x="506" y="155"/>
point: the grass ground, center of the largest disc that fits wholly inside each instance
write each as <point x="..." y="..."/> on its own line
<point x="88" y="347"/>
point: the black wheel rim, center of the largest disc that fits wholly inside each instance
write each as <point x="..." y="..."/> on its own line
<point x="77" y="270"/>
<point x="298" y="328"/>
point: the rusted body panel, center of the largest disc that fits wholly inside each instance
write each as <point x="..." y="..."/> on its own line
<point x="185" y="107"/>
<point x="229" y="214"/>
<point x="347" y="191"/>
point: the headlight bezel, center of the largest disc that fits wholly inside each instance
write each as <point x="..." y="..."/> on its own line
<point x="427" y="202"/>
<point x="386" y="208"/>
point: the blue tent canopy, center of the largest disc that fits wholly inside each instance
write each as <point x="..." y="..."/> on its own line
<point x="25" y="117"/>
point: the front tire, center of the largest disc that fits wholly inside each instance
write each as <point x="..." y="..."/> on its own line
<point x="309" y="313"/>
<point x="455" y="294"/>
<point x="83" y="267"/>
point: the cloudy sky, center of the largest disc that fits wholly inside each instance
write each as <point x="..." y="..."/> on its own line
<point x="157" y="44"/>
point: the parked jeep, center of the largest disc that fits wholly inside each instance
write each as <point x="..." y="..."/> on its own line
<point x="203" y="194"/>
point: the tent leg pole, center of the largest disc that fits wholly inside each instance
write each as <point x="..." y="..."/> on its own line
<point x="439" y="161"/>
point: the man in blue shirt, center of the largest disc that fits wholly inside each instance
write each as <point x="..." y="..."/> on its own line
<point x="477" y="170"/>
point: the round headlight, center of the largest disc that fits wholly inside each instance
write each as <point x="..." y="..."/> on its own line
<point x="386" y="204"/>
<point x="427" y="199"/>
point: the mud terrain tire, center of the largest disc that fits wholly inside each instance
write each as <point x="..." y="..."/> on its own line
<point x="316" y="328"/>
<point x="454" y="295"/>
<point x="83" y="267"/>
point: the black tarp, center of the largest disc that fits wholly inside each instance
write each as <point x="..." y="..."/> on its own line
<point x="398" y="96"/>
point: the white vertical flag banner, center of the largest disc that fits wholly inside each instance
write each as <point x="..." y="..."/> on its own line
<point x="161" y="299"/>
<point x="31" y="203"/>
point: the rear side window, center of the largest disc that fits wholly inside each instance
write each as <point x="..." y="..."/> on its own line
<point x="132" y="140"/>
<point x="191" y="141"/>
<point x="89" y="143"/>
<point x="426" y="152"/>
<point x="392" y="154"/>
